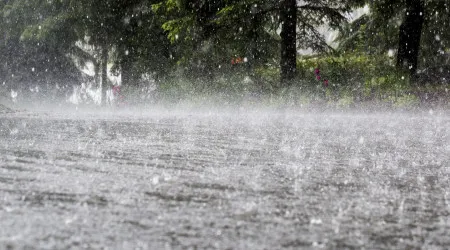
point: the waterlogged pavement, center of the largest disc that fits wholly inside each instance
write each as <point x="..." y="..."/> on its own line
<point x="236" y="180"/>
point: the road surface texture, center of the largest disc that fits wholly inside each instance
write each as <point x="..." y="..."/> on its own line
<point x="231" y="180"/>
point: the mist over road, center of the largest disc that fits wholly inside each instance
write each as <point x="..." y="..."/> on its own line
<point x="256" y="180"/>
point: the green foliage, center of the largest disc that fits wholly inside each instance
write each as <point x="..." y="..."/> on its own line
<point x="361" y="76"/>
<point x="378" y="31"/>
<point x="208" y="33"/>
<point x="42" y="35"/>
<point x="188" y="46"/>
<point x="176" y="27"/>
<point x="32" y="48"/>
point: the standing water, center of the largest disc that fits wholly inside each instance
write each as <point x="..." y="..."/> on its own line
<point x="230" y="180"/>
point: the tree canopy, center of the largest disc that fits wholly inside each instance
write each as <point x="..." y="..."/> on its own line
<point x="380" y="31"/>
<point x="47" y="41"/>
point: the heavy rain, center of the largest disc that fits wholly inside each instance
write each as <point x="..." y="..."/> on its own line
<point x="252" y="124"/>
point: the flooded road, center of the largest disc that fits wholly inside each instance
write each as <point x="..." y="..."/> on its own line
<point x="237" y="180"/>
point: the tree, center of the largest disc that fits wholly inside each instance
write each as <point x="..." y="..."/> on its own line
<point x="241" y="23"/>
<point x="47" y="40"/>
<point x="192" y="30"/>
<point x="288" y="61"/>
<point x="409" y="36"/>
<point x="142" y="46"/>
<point x="33" y="53"/>
<point x="416" y="29"/>
<point x="99" y="22"/>
<point x="249" y="29"/>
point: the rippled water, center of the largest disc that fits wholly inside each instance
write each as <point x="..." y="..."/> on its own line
<point x="258" y="180"/>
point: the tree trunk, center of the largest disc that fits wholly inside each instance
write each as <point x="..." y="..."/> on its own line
<point x="288" y="62"/>
<point x="126" y="68"/>
<point x="253" y="49"/>
<point x="104" y="72"/>
<point x="409" y="37"/>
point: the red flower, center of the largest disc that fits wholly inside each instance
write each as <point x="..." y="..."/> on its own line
<point x="325" y="82"/>
<point x="116" y="90"/>
<point x="318" y="77"/>
<point x="317" y="71"/>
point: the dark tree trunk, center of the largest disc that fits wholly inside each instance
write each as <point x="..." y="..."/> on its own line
<point x="104" y="72"/>
<point x="288" y="62"/>
<point x="205" y="12"/>
<point x="409" y="36"/>
<point x="253" y="49"/>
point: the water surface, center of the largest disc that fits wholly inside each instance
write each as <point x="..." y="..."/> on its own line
<point x="238" y="180"/>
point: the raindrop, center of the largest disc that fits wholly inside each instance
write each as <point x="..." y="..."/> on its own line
<point x="361" y="140"/>
<point x="14" y="131"/>
<point x="155" y="180"/>
<point x="391" y="53"/>
<point x="14" y="95"/>
<point x="315" y="221"/>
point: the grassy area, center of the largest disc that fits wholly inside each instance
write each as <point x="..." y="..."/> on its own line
<point x="344" y="82"/>
<point x="244" y="91"/>
<point x="326" y="82"/>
